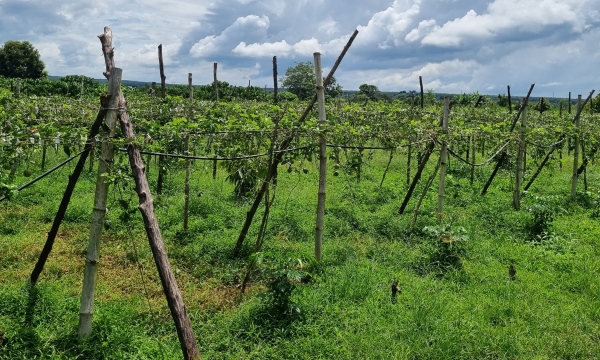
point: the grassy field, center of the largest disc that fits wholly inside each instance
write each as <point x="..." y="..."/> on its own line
<point x="457" y="301"/>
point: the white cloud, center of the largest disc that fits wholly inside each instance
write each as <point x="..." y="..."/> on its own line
<point x="247" y="27"/>
<point x="506" y="15"/>
<point x="420" y="31"/>
<point x="390" y="24"/>
<point x="281" y="48"/>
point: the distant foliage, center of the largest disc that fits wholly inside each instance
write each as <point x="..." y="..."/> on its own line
<point x="69" y="85"/>
<point x="300" y="81"/>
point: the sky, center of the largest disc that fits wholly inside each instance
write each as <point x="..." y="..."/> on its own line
<point x="457" y="46"/>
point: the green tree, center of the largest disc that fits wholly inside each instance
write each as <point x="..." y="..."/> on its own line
<point x="21" y="59"/>
<point x="372" y="93"/>
<point x="300" y="81"/>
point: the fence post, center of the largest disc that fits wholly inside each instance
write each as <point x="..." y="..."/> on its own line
<point x="576" y="151"/>
<point x="186" y="191"/>
<point x="105" y="163"/>
<point x="275" y="94"/>
<point x="443" y="158"/>
<point x="322" y="158"/>
<point x="520" y="160"/>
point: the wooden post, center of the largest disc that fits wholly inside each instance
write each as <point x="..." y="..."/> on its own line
<point x="417" y="177"/>
<point x="43" y="165"/>
<point x="545" y="160"/>
<point x="422" y="196"/>
<point x="569" y="102"/>
<point x="422" y="95"/>
<point x="62" y="209"/>
<point x="99" y="210"/>
<point x="576" y="151"/>
<point x="276" y="95"/>
<point x="520" y="160"/>
<point x="215" y="84"/>
<point x="18" y="89"/>
<point x="322" y="158"/>
<point x="161" y="158"/>
<point x="185" y="333"/>
<point x="408" y="158"/>
<point x="279" y="156"/>
<point x="503" y="155"/>
<point x="81" y="96"/>
<point x="443" y="158"/>
<point x="472" y="145"/>
<point x="163" y="78"/>
<point x="509" y="100"/>
<point x="186" y="191"/>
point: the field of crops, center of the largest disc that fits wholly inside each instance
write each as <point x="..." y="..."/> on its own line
<point x="457" y="298"/>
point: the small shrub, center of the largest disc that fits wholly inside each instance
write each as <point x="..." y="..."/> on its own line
<point x="544" y="210"/>
<point x="449" y="245"/>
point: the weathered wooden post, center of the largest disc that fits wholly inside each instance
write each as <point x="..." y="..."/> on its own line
<point x="443" y="159"/>
<point x="215" y="84"/>
<point x="576" y="151"/>
<point x="520" y="160"/>
<point x="275" y="94"/>
<point x="509" y="100"/>
<point x="322" y="157"/>
<point x="422" y="95"/>
<point x="163" y="78"/>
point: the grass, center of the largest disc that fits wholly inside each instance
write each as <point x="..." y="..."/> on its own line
<point x="456" y="302"/>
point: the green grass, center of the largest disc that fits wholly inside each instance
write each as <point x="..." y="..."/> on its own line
<point x="450" y="308"/>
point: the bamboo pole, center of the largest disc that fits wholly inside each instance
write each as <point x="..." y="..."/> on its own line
<point x="284" y="145"/>
<point x="216" y="88"/>
<point x="576" y="151"/>
<point x="186" y="204"/>
<point x="99" y="210"/>
<point x="520" y="160"/>
<point x="322" y="158"/>
<point x="443" y="159"/>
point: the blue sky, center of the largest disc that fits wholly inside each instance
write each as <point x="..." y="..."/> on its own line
<point x="456" y="45"/>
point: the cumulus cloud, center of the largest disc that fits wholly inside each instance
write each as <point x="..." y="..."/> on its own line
<point x="247" y="27"/>
<point x="456" y="45"/>
<point x="507" y="15"/>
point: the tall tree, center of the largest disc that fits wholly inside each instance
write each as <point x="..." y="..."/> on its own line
<point x="21" y="59"/>
<point x="300" y="81"/>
